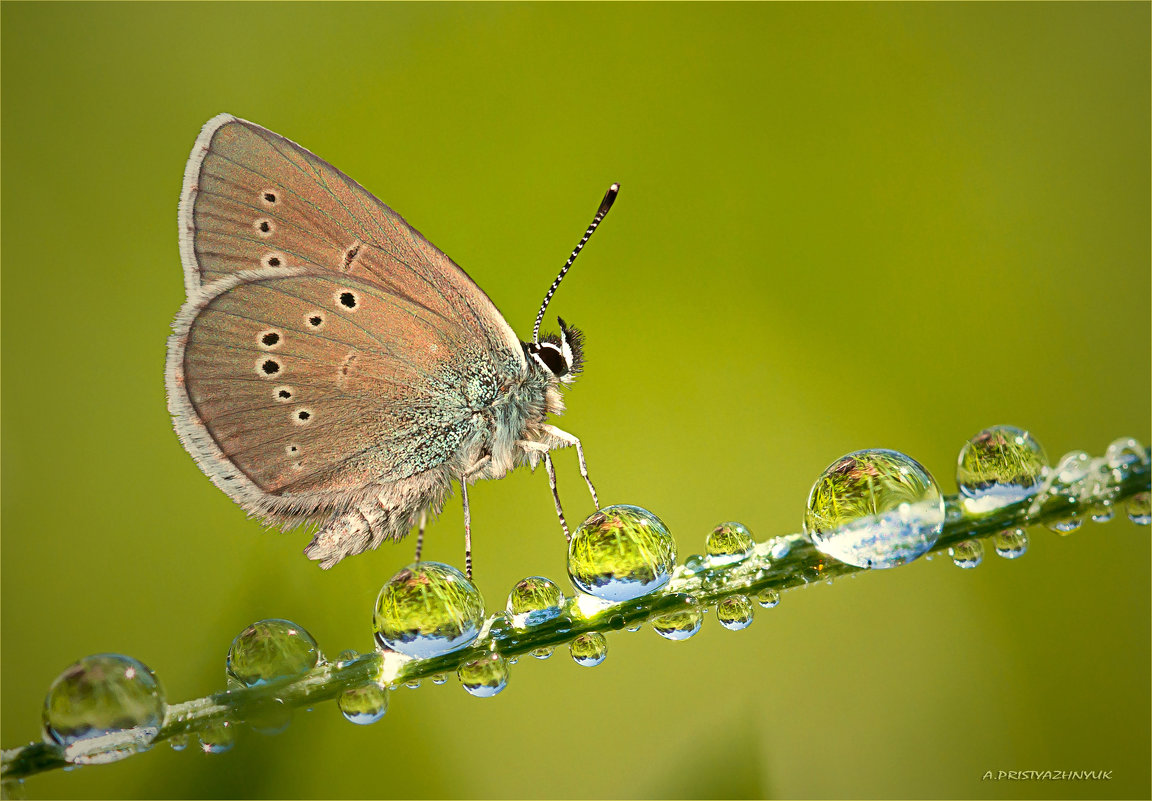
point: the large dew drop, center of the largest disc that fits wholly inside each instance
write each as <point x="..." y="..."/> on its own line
<point x="364" y="705"/>
<point x="103" y="708"/>
<point x="589" y="649"/>
<point x="967" y="554"/>
<point x="533" y="601"/>
<point x="216" y="738"/>
<point x="484" y="677"/>
<point x="678" y="625"/>
<point x="875" y="508"/>
<point x="621" y="553"/>
<point x="1011" y="543"/>
<point x="728" y="543"/>
<point x="428" y="609"/>
<point x="271" y="651"/>
<point x="999" y="466"/>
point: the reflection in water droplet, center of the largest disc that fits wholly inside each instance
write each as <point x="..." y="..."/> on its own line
<point x="363" y="705"/>
<point x="439" y="678"/>
<point x="874" y="508"/>
<point x="347" y="655"/>
<point x="216" y="738"/>
<point x="678" y="625"/>
<point x="999" y="466"/>
<point x="271" y="650"/>
<point x="621" y="553"/>
<point x="695" y="563"/>
<point x="1064" y="525"/>
<point x="533" y="601"/>
<point x="967" y="554"/>
<point x="768" y="598"/>
<point x="635" y="628"/>
<point x="734" y="612"/>
<point x="1123" y="455"/>
<point x="781" y="547"/>
<point x="1140" y="508"/>
<point x="484" y="677"/>
<point x="412" y="684"/>
<point x="268" y="716"/>
<point x="543" y="653"/>
<point x="103" y="708"/>
<point x="1011" y="544"/>
<point x="589" y="649"/>
<point x="178" y="742"/>
<point x="428" y="609"/>
<point x="728" y="543"/>
<point x="1102" y="512"/>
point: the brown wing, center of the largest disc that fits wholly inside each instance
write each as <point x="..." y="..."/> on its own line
<point x="255" y="200"/>
<point x="298" y="393"/>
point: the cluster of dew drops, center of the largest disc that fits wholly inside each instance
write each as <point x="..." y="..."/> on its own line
<point x="872" y="509"/>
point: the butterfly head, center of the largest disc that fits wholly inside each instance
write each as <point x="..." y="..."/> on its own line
<point x="559" y="356"/>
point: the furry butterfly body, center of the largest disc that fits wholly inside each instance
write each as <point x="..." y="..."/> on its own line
<point x="330" y="365"/>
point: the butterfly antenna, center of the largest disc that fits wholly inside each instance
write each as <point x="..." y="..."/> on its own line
<point x="605" y="204"/>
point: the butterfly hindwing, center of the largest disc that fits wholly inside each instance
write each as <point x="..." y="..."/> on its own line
<point x="299" y="392"/>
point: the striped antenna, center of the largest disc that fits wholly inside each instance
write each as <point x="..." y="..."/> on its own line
<point x="605" y="204"/>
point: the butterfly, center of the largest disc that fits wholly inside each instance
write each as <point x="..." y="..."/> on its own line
<point x="330" y="366"/>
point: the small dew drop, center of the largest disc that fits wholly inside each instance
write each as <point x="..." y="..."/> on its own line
<point x="428" y="609"/>
<point x="216" y="738"/>
<point x="439" y="678"/>
<point x="678" y="625"/>
<point x="179" y="742"/>
<point x="734" y="612"/>
<point x="270" y="651"/>
<point x="363" y="705"/>
<point x="1064" y="525"/>
<point x="1102" y="512"/>
<point x="589" y="649"/>
<point x="543" y="653"/>
<point x="621" y="553"/>
<point x="103" y="708"/>
<point x="269" y="716"/>
<point x="533" y="601"/>
<point x="967" y="554"/>
<point x="1140" y="508"/>
<point x="1011" y="543"/>
<point x="728" y="543"/>
<point x="769" y="598"/>
<point x="484" y="677"/>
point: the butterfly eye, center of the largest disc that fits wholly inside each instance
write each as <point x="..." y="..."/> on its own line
<point x="550" y="356"/>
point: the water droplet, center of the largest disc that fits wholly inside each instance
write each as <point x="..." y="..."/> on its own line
<point x="364" y="705"/>
<point x="999" y="466"/>
<point x="768" y="598"/>
<point x="533" y="601"/>
<point x="428" y="609"/>
<point x="635" y="628"/>
<point x="734" y="612"/>
<point x="439" y="678"/>
<point x="270" y="651"/>
<point x="103" y="708"/>
<point x="621" y="553"/>
<point x="728" y="543"/>
<point x="1123" y="455"/>
<point x="268" y="716"/>
<point x="1140" y="508"/>
<point x="967" y="554"/>
<point x="1064" y="525"/>
<point x="874" y="508"/>
<point x="484" y="677"/>
<point x="678" y="625"/>
<point x="216" y="738"/>
<point x="695" y="563"/>
<point x="589" y="649"/>
<point x="347" y="655"/>
<point x="1102" y="512"/>
<point x="178" y="742"/>
<point x="1011" y="543"/>
<point x="543" y="653"/>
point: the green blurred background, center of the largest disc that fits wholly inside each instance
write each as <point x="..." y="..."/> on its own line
<point x="841" y="226"/>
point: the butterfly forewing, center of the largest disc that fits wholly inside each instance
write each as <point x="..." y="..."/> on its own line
<point x="254" y="200"/>
<point x="309" y="383"/>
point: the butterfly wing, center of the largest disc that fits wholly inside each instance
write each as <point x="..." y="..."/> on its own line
<point x="255" y="200"/>
<point x="300" y="394"/>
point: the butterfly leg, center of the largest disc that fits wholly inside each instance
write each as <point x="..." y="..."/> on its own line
<point x="467" y="530"/>
<point x="420" y="534"/>
<point x="569" y="439"/>
<point x="555" y="495"/>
